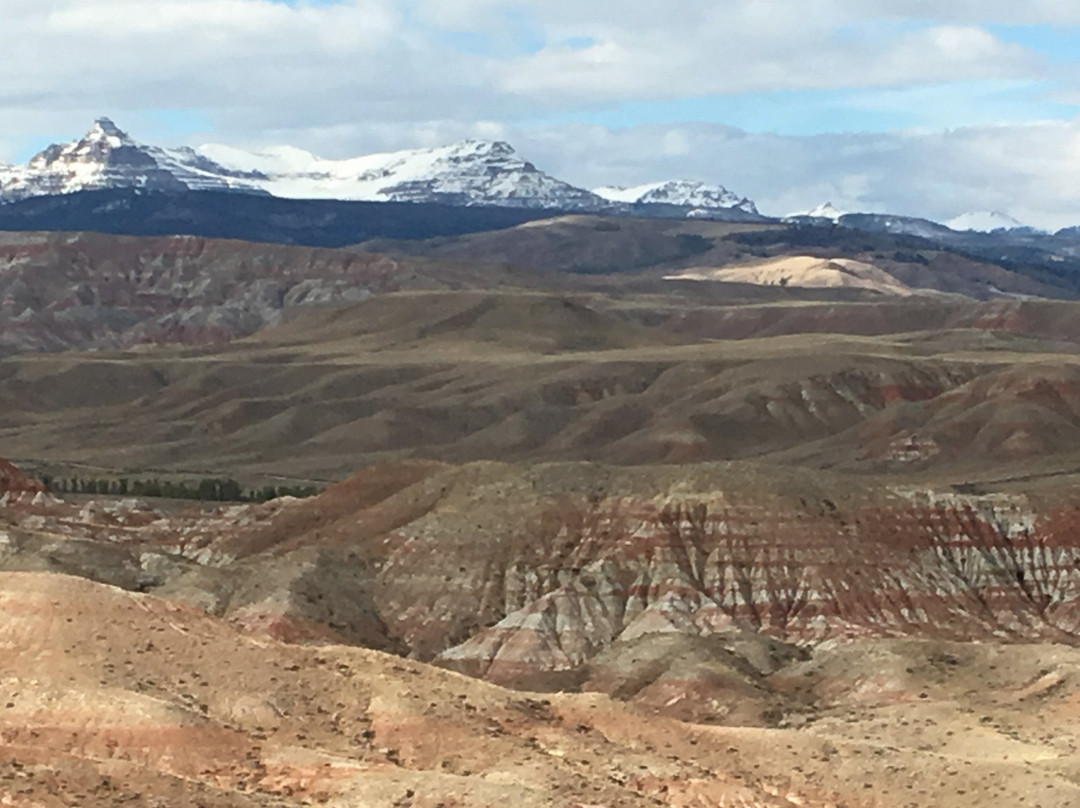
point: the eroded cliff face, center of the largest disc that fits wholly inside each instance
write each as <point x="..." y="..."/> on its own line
<point x="891" y="562"/>
<point x="916" y="565"/>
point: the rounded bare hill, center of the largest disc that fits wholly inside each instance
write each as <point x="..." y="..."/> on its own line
<point x="461" y="376"/>
<point x="740" y="257"/>
<point x="533" y="322"/>
<point x="581" y="244"/>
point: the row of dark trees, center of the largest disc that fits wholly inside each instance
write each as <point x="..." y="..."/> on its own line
<point x="211" y="489"/>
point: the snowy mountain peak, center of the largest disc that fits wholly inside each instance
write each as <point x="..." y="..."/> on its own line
<point x="107" y="157"/>
<point x="827" y="211"/>
<point x="823" y="211"/>
<point x="983" y="221"/>
<point x="471" y="172"/>
<point x="682" y="193"/>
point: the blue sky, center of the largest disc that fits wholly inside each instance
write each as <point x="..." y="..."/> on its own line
<point x="683" y="86"/>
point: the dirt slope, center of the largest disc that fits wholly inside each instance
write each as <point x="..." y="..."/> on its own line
<point x="159" y="704"/>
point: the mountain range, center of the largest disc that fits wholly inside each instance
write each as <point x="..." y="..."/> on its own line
<point x="478" y="174"/>
<point x="469" y="173"/>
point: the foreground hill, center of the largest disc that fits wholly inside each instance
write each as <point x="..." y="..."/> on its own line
<point x="162" y="703"/>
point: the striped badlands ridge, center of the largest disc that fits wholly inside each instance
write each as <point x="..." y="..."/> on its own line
<point x="504" y="571"/>
<point x="942" y="566"/>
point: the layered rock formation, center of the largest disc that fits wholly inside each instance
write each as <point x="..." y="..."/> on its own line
<point x="528" y="576"/>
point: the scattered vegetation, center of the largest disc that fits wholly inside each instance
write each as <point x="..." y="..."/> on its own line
<point x="840" y="240"/>
<point x="910" y="257"/>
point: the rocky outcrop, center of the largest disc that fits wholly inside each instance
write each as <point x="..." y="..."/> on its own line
<point x="14" y="484"/>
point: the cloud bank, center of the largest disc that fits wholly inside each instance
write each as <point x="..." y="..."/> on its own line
<point x="561" y="80"/>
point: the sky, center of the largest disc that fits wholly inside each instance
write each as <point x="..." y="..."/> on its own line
<point x="903" y="106"/>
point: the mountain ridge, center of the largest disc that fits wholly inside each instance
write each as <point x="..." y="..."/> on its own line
<point x="683" y="193"/>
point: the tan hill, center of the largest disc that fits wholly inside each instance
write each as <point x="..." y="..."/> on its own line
<point x="804" y="271"/>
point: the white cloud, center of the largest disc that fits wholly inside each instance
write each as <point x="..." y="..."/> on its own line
<point x="715" y="59"/>
<point x="1031" y="171"/>
<point x="258" y="64"/>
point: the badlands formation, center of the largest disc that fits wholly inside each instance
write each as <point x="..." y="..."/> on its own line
<point x="586" y="539"/>
<point x="714" y="635"/>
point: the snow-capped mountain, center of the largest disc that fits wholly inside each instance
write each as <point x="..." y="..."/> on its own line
<point x="106" y="157"/>
<point x="680" y="193"/>
<point x="984" y="221"/>
<point x="470" y="173"/>
<point x="473" y="172"/>
<point x="823" y="211"/>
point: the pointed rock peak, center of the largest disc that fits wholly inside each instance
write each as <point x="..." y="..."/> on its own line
<point x="105" y="129"/>
<point x="484" y="148"/>
<point x="106" y="125"/>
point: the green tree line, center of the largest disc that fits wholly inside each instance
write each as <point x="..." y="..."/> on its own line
<point x="210" y="489"/>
